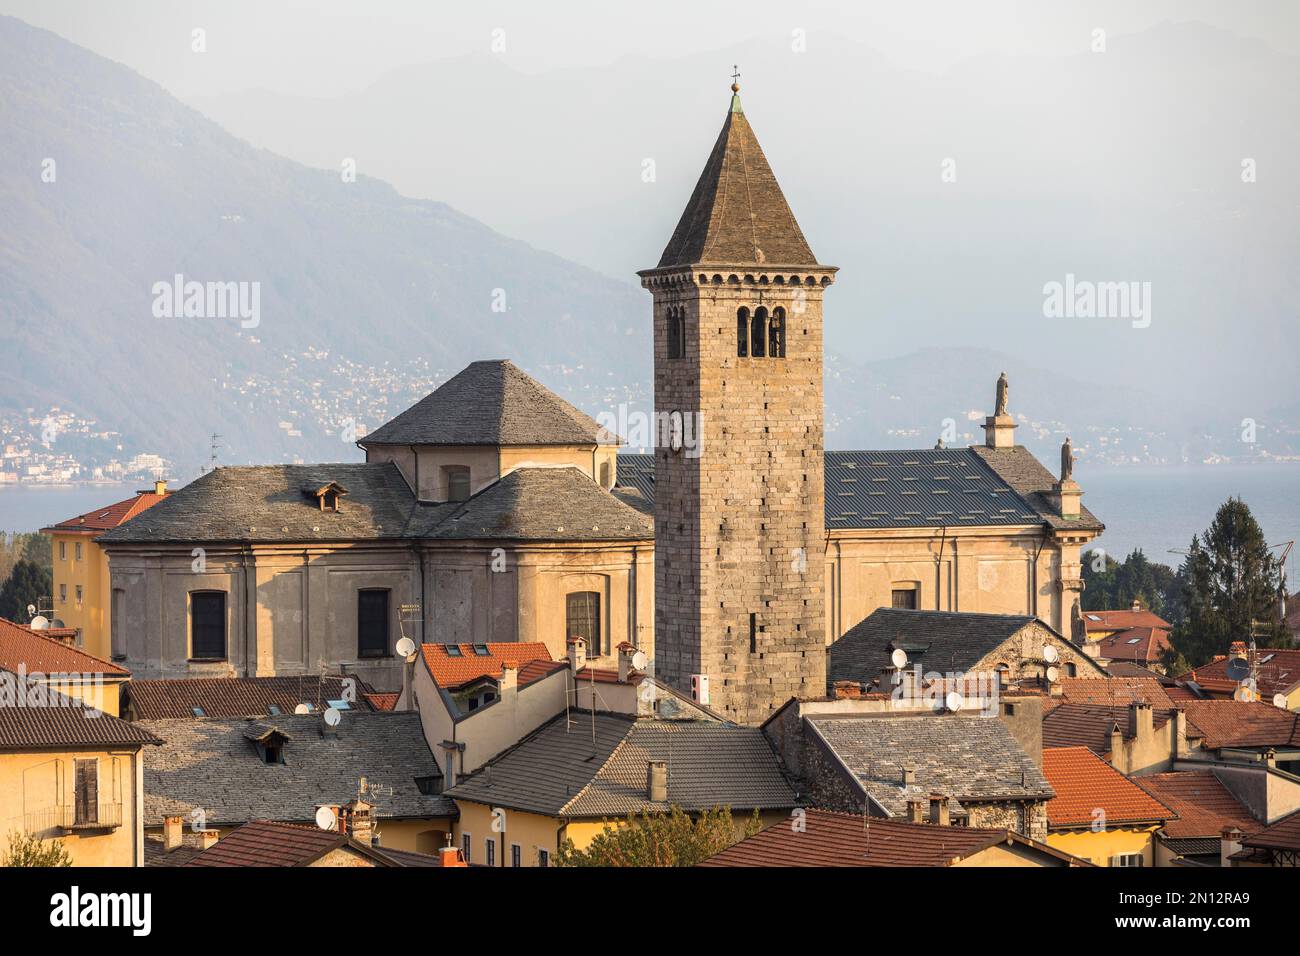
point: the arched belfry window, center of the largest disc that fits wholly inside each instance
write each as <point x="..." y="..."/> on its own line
<point x="742" y="332"/>
<point x="758" y="335"/>
<point x="776" y="334"/>
<point x="676" y="332"/>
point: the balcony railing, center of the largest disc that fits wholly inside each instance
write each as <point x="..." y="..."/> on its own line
<point x="105" y="816"/>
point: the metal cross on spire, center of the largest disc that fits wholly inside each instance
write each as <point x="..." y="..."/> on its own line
<point x="735" y="76"/>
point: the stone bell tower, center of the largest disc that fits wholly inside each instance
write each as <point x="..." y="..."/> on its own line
<point x="739" y="520"/>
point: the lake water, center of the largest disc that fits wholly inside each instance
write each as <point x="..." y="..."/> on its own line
<point x="1152" y="508"/>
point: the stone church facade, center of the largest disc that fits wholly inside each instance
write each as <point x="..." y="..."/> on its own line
<point x="492" y="510"/>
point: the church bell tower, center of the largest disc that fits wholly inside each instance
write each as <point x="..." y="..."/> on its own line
<point x="739" y="522"/>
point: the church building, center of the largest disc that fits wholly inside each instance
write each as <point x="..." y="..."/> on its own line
<point x="494" y="511"/>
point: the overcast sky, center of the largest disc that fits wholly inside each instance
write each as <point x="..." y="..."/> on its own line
<point x="326" y="47"/>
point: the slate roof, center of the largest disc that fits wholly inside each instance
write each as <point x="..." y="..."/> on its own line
<point x="1239" y="723"/>
<point x="842" y="839"/>
<point x="37" y="653"/>
<point x="61" y="722"/>
<point x="559" y="770"/>
<point x="1203" y="804"/>
<point x="966" y="757"/>
<point x="212" y="765"/>
<point x="1084" y="783"/>
<point x="1279" y="670"/>
<point x="226" y="697"/>
<point x="267" y="503"/>
<point x="1029" y="479"/>
<point x="543" y="504"/>
<point x="916" y="488"/>
<point x="270" y="843"/>
<point x="945" y="641"/>
<point x="110" y="516"/>
<point x="737" y="213"/>
<point x="1089" y="725"/>
<point x="491" y="403"/>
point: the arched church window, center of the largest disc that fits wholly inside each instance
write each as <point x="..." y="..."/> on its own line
<point x="758" y="334"/>
<point x="676" y="333"/>
<point x="776" y="334"/>
<point x="742" y="332"/>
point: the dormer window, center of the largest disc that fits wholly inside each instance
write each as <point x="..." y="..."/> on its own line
<point x="457" y="482"/>
<point x="328" y="495"/>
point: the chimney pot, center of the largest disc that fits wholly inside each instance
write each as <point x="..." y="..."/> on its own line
<point x="577" y="653"/>
<point x="916" y="810"/>
<point x="160" y="487"/>
<point x="938" y="809"/>
<point x="909" y="776"/>
<point x="208" y="837"/>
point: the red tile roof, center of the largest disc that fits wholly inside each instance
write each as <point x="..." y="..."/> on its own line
<point x="382" y="701"/>
<point x="1115" y="691"/>
<point x="110" y="516"/>
<point x="1239" y="723"/>
<point x="1204" y="805"/>
<point x="841" y="839"/>
<point x="464" y="665"/>
<point x="267" y="843"/>
<point x="1282" y="835"/>
<point x="1084" y="784"/>
<point x="37" y="653"/>
<point x="1279" y="672"/>
<point x="1139" y="644"/>
<point x="1095" y="621"/>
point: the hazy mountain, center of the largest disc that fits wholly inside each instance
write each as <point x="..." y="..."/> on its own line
<point x="362" y="291"/>
<point x="1123" y="165"/>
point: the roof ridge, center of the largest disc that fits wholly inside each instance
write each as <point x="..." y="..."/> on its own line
<point x="596" y="775"/>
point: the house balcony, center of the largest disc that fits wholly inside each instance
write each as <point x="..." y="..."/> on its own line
<point x="66" y="819"/>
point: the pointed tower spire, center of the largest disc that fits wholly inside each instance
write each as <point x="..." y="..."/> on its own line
<point x="737" y="213"/>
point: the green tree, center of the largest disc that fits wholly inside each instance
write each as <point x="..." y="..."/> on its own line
<point x="1230" y="581"/>
<point x="39" y="549"/>
<point x="660" y="839"/>
<point x="26" y="850"/>
<point x="1115" y="588"/>
<point x="27" y="584"/>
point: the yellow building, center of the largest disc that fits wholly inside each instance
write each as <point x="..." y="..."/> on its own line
<point x="82" y="599"/>
<point x="583" y="772"/>
<point x="45" y="664"/>
<point x="75" y="775"/>
<point x="1098" y="814"/>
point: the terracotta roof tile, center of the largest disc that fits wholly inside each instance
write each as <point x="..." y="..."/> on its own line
<point x="1095" y="621"/>
<point x="1141" y="644"/>
<point x="21" y="646"/>
<point x="110" y="516"/>
<point x="226" y="697"/>
<point x="267" y="843"/>
<point x="1084" y="784"/>
<point x="1279" y="672"/>
<point x="386" y="701"/>
<point x="1115" y="691"/>
<point x="1089" y="725"/>
<point x="1204" y="805"/>
<point x="452" y="665"/>
<point x="1282" y="835"/>
<point x="840" y="839"/>
<point x="1236" y="723"/>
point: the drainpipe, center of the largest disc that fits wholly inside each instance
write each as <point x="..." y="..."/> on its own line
<point x="938" y="569"/>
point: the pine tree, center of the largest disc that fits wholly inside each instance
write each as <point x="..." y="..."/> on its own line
<point x="28" y="583"/>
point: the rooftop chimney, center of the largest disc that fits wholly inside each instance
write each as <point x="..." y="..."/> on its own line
<point x="450" y="856"/>
<point x="847" y="690"/>
<point x="577" y="653"/>
<point x="657" y="781"/>
<point x="909" y="776"/>
<point x="1229" y="843"/>
<point x="938" y="809"/>
<point x="1137" y="606"/>
<point x="208" y="837"/>
<point x="173" y="829"/>
<point x="359" y="822"/>
<point x="508" y="682"/>
<point x="1140" y="722"/>
<point x="160" y="487"/>
<point x="916" y="810"/>
<point x="625" y="653"/>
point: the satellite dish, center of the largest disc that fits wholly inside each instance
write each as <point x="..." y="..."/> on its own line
<point x="302" y="709"/>
<point x="1279" y="700"/>
<point x="1238" y="668"/>
<point x="899" y="657"/>
<point x="1053" y="675"/>
<point x="325" y="818"/>
<point x="406" y="647"/>
<point x="1049" y="653"/>
<point x="40" y="622"/>
<point x="954" y="701"/>
<point x="640" y="661"/>
<point x="333" y="717"/>
<point x="1243" y="692"/>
